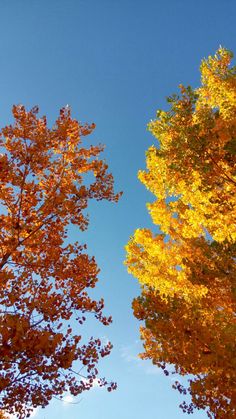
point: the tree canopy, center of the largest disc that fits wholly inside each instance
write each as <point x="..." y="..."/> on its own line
<point x="45" y="279"/>
<point x="188" y="271"/>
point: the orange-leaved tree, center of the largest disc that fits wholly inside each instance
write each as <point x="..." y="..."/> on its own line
<point x="44" y="280"/>
<point x="188" y="272"/>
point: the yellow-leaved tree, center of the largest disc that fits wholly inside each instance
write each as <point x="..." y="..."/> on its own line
<point x="188" y="272"/>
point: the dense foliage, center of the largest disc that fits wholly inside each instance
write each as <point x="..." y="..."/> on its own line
<point x="44" y="280"/>
<point x="188" y="272"/>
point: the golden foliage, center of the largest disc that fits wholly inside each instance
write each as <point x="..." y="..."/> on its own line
<point x="44" y="281"/>
<point x="188" y="273"/>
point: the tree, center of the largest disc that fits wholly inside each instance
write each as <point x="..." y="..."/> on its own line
<point x="188" y="271"/>
<point x="45" y="186"/>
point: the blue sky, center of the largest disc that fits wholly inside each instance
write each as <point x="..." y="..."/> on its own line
<point x="114" y="62"/>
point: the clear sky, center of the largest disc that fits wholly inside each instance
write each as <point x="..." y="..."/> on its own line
<point x="113" y="62"/>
